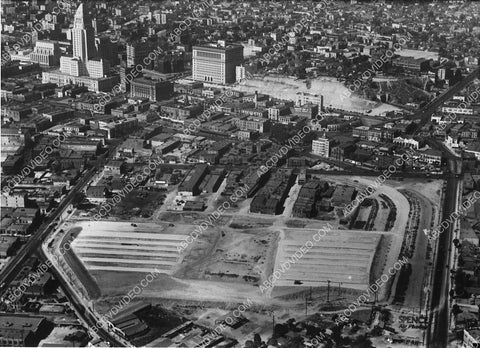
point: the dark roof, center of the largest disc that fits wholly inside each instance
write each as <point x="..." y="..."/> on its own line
<point x="18" y="325"/>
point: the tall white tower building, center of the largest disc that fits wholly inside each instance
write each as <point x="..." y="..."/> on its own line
<point x="321" y="146"/>
<point x="83" y="35"/>
<point x="84" y="61"/>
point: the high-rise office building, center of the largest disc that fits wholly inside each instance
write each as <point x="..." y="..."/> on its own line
<point x="136" y="53"/>
<point x="321" y="146"/>
<point x="106" y="49"/>
<point x="170" y="63"/>
<point x="240" y="73"/>
<point x="46" y="53"/>
<point x="83" y="36"/>
<point x="124" y="72"/>
<point x="216" y="63"/>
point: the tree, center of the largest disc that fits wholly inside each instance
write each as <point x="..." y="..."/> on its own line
<point x="295" y="342"/>
<point x="362" y="342"/>
<point x="460" y="282"/>
<point x="456" y="310"/>
<point x="457" y="77"/>
<point x="272" y="342"/>
<point x="291" y="324"/>
<point x="456" y="242"/>
<point x="280" y="330"/>
<point x="257" y="340"/>
<point x="78" y="198"/>
<point x="249" y="344"/>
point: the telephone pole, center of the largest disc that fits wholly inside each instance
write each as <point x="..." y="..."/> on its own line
<point x="306" y="304"/>
<point x="273" y="323"/>
<point x="328" y="291"/>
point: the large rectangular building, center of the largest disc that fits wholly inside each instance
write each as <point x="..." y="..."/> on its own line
<point x="251" y="123"/>
<point x="21" y="330"/>
<point x="104" y="84"/>
<point x="216" y="63"/>
<point x="190" y="186"/>
<point x="153" y="90"/>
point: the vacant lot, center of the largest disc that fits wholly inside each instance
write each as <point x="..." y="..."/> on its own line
<point x="126" y="247"/>
<point x="340" y="256"/>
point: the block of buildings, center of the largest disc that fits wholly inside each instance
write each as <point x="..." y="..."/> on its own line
<point x="271" y="197"/>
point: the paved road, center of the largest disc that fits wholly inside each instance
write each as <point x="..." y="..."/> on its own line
<point x="437" y="332"/>
<point x="9" y="272"/>
<point x="427" y="111"/>
<point x="83" y="313"/>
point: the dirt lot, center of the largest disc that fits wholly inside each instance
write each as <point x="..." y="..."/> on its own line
<point x="244" y="248"/>
<point x="234" y="259"/>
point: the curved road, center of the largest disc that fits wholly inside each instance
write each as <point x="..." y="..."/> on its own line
<point x="437" y="332"/>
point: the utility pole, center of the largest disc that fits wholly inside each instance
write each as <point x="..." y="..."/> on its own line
<point x="328" y="291"/>
<point x="273" y="323"/>
<point x="306" y="304"/>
